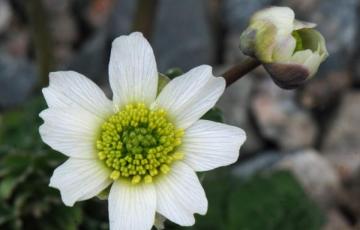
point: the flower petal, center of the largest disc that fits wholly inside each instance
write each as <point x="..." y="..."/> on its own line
<point x="180" y="195"/>
<point x="132" y="69"/>
<point x="281" y="17"/>
<point x="132" y="207"/>
<point x="79" y="179"/>
<point x="208" y="145"/>
<point x="70" y="131"/>
<point x="298" y="25"/>
<point x="71" y="89"/>
<point x="188" y="97"/>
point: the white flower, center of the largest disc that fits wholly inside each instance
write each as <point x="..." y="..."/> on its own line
<point x="146" y="147"/>
<point x="290" y="50"/>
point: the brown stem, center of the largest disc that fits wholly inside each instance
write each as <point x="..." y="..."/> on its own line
<point x="145" y="17"/>
<point x="238" y="71"/>
<point x="41" y="38"/>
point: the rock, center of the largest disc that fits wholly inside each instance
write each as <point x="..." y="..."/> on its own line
<point x="342" y="141"/>
<point x="337" y="23"/>
<point x="17" y="43"/>
<point x="234" y="104"/>
<point x="280" y="119"/>
<point x="120" y="21"/>
<point x="315" y="173"/>
<point x="171" y="26"/>
<point x="17" y="80"/>
<point x="65" y="35"/>
<point x="335" y="221"/>
<point x="182" y="36"/>
<point x="236" y="15"/>
<point x="5" y="15"/>
<point x="98" y="12"/>
<point x="355" y="64"/>
<point x="92" y="59"/>
<point x="238" y="12"/>
<point x="261" y="162"/>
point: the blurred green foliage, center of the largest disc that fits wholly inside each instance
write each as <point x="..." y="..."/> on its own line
<point x="26" y="165"/>
<point x="274" y="201"/>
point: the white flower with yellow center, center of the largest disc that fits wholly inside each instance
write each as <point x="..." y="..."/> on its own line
<point x="147" y="147"/>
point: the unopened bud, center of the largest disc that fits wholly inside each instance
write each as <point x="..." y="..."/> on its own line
<point x="290" y="50"/>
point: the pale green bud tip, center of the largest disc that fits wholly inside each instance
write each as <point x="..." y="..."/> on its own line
<point x="281" y="42"/>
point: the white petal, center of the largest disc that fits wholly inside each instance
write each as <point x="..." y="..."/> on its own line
<point x="284" y="48"/>
<point x="79" y="179"/>
<point x="298" y="24"/>
<point x="208" y="145"/>
<point x="132" y="207"/>
<point x="132" y="69"/>
<point x="281" y="17"/>
<point x="313" y="63"/>
<point x="70" y="131"/>
<point x="300" y="57"/>
<point x="308" y="59"/>
<point x="188" y="97"/>
<point x="71" y="89"/>
<point x="180" y="195"/>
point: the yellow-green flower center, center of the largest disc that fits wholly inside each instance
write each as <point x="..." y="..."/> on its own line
<point x="138" y="144"/>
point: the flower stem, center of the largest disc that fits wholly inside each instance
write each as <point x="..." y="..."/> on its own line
<point x="41" y="39"/>
<point x="238" y="71"/>
<point x="145" y="17"/>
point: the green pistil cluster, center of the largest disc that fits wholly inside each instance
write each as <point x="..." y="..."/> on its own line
<point x="138" y="144"/>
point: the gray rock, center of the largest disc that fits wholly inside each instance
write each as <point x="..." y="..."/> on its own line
<point x="234" y="104"/>
<point x="17" y="80"/>
<point x="355" y="65"/>
<point x="182" y="36"/>
<point x="336" y="221"/>
<point x="264" y="161"/>
<point x="91" y="61"/>
<point x="337" y="22"/>
<point x="5" y="15"/>
<point x="342" y="142"/>
<point x="315" y="173"/>
<point x="172" y="26"/>
<point x="236" y="15"/>
<point x="238" y="12"/>
<point x="280" y="119"/>
<point x="120" y="21"/>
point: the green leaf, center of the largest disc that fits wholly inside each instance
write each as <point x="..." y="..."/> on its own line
<point x="174" y="72"/>
<point x="214" y="114"/>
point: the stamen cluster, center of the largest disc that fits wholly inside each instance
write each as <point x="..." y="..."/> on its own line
<point x="138" y="143"/>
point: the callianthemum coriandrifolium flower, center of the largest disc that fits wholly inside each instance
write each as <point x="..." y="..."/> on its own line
<point x="145" y="145"/>
<point x="290" y="50"/>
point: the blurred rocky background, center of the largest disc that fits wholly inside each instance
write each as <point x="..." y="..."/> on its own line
<point x="300" y="166"/>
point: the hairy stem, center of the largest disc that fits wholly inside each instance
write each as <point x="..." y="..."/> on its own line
<point x="238" y="71"/>
<point x="145" y="17"/>
<point x="41" y="39"/>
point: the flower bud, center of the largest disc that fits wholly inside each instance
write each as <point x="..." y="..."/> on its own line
<point x="290" y="50"/>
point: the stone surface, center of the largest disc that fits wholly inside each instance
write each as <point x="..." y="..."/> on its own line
<point x="337" y="23"/>
<point x="315" y="173"/>
<point x="92" y="59"/>
<point x="234" y="104"/>
<point x="182" y="36"/>
<point x="355" y="63"/>
<point x="336" y="221"/>
<point x="342" y="142"/>
<point x="17" y="80"/>
<point x="261" y="162"/>
<point x="280" y="119"/>
<point x="236" y="14"/>
<point x="5" y="15"/>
